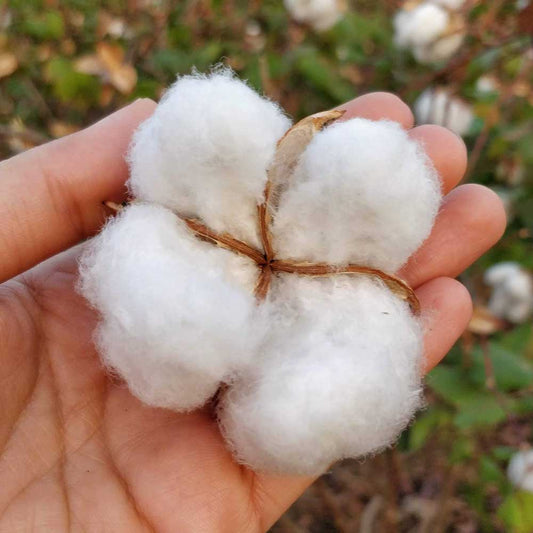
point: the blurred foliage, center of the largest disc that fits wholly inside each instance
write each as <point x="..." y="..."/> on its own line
<point x="65" y="64"/>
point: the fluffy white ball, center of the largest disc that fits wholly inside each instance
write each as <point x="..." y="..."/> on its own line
<point x="421" y="25"/>
<point x="339" y="376"/>
<point x="363" y="192"/>
<point x="325" y="368"/>
<point x="205" y="150"/>
<point x="450" y="4"/>
<point x="160" y="292"/>
<point x="319" y="14"/>
<point x="512" y="292"/>
<point x="520" y="470"/>
<point x="438" y="106"/>
<point x="422" y="30"/>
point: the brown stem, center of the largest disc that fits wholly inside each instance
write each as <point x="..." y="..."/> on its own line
<point x="395" y="284"/>
<point x="225" y="241"/>
<point x="263" y="283"/>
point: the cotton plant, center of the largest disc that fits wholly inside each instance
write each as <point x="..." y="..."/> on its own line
<point x="512" y="292"/>
<point x="433" y="30"/>
<point x="254" y="270"/>
<point x="437" y="105"/>
<point x="321" y="15"/>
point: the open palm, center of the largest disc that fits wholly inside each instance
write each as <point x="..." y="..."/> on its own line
<point x="77" y="451"/>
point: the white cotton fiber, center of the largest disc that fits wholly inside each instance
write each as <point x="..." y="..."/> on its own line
<point x="520" y="470"/>
<point x="421" y="25"/>
<point x="438" y="106"/>
<point x="512" y="292"/>
<point x="450" y="4"/>
<point x="363" y="192"/>
<point x="321" y="15"/>
<point x="427" y="31"/>
<point x="178" y="314"/>
<point x="324" y="368"/>
<point x="205" y="150"/>
<point x="339" y="376"/>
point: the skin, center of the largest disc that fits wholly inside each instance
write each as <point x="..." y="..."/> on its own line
<point x="77" y="451"/>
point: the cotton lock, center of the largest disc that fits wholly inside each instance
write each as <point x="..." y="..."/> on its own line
<point x="321" y="15"/>
<point x="322" y="368"/>
<point x="438" y="106"/>
<point x="433" y="30"/>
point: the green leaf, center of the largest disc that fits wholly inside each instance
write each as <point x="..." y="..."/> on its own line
<point x="70" y="86"/>
<point x="511" y="371"/>
<point x="45" y="26"/>
<point x="425" y="425"/>
<point x="517" y="512"/>
<point x="478" y="410"/>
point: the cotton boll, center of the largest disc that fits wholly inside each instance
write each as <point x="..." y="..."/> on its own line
<point x="450" y="4"/>
<point x="205" y="151"/>
<point x="320" y="14"/>
<point x="338" y="377"/>
<point x="363" y="192"/>
<point x="429" y="31"/>
<point x="440" y="50"/>
<point x="178" y="314"/>
<point x="520" y="470"/>
<point x="420" y="26"/>
<point x="512" y="292"/>
<point x="437" y="106"/>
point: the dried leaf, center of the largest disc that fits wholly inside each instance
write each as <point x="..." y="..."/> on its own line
<point x="483" y="322"/>
<point x="89" y="64"/>
<point x="58" y="128"/>
<point x="108" y="63"/>
<point x="121" y="75"/>
<point x="8" y="64"/>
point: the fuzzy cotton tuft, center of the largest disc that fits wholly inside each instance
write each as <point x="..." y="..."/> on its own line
<point x="321" y="15"/>
<point x="205" y="151"/>
<point x="520" y="470"/>
<point x="323" y="368"/>
<point x="428" y="31"/>
<point x="363" y="192"/>
<point x="438" y="106"/>
<point x="512" y="292"/>
<point x="159" y="291"/>
<point x="339" y="376"/>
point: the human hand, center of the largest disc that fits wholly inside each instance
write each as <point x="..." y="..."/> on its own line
<point x="77" y="450"/>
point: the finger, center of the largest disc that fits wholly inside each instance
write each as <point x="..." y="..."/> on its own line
<point x="471" y="220"/>
<point x="51" y="196"/>
<point x="378" y="106"/>
<point x="446" y="310"/>
<point x="446" y="150"/>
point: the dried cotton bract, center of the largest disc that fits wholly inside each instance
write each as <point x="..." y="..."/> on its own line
<point x="324" y="367"/>
<point x="321" y="15"/>
<point x="433" y="29"/>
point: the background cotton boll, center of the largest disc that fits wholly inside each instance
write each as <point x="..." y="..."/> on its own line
<point x="339" y="376"/>
<point x="363" y="192"/>
<point x="520" y="470"/>
<point x="437" y="106"/>
<point x="450" y="4"/>
<point x="440" y="50"/>
<point x="320" y="14"/>
<point x="512" y="292"/>
<point x="420" y="26"/>
<point x="205" y="151"/>
<point x="178" y="314"/>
